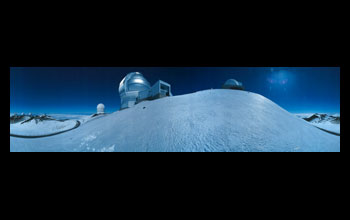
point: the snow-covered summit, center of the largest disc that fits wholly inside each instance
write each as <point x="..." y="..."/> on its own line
<point x="330" y="122"/>
<point x="210" y="120"/>
<point x="321" y="118"/>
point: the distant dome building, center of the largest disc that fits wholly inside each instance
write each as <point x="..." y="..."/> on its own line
<point x="100" y="108"/>
<point x="233" y="84"/>
<point x="134" y="88"/>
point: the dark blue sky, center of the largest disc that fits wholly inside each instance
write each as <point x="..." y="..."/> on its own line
<point x="78" y="90"/>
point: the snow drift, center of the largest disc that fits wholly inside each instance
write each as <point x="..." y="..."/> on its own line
<point x="210" y="120"/>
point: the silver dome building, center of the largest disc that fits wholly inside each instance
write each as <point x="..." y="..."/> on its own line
<point x="233" y="84"/>
<point x="134" y="88"/>
<point x="130" y="87"/>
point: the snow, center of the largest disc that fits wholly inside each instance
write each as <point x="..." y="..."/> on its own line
<point x="40" y="128"/>
<point x="45" y="127"/>
<point x="329" y="126"/>
<point x="210" y="120"/>
<point x="327" y="122"/>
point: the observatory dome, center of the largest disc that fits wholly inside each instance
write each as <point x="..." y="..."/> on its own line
<point x="232" y="84"/>
<point x="100" y="108"/>
<point x="134" y="82"/>
<point x="131" y="88"/>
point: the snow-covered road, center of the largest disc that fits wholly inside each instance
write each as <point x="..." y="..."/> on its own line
<point x="45" y="135"/>
<point x="328" y="131"/>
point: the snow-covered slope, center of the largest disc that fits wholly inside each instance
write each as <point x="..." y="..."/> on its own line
<point x="38" y="125"/>
<point x="210" y="120"/>
<point x="41" y="128"/>
<point x="329" y="127"/>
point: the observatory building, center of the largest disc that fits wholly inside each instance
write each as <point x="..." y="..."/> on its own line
<point x="233" y="84"/>
<point x="134" y="88"/>
<point x="100" y="108"/>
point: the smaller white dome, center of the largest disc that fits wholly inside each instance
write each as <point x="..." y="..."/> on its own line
<point x="100" y="108"/>
<point x="232" y="82"/>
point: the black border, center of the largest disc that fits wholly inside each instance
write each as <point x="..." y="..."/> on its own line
<point x="180" y="57"/>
